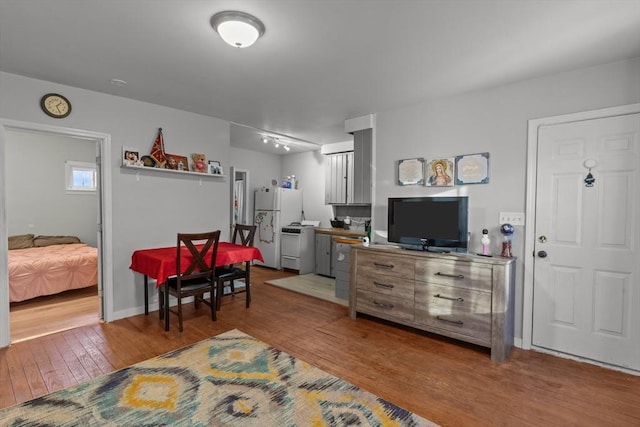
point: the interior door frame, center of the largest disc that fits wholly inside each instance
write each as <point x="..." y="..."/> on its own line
<point x="530" y="207"/>
<point x="233" y="171"/>
<point x="106" y="261"/>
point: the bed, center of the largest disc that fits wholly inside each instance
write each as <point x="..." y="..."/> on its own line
<point x="47" y="265"/>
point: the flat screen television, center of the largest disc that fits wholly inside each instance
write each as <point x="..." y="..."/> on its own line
<point x="429" y="223"/>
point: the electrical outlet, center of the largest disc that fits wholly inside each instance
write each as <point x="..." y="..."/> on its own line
<point x="513" y="218"/>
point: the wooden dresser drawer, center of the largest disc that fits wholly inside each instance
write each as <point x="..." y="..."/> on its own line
<point x="385" y="284"/>
<point x="462" y="274"/>
<point x="376" y="263"/>
<point x="463" y="311"/>
<point x="386" y="305"/>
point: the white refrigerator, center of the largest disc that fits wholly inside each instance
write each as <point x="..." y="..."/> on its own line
<point x="274" y="208"/>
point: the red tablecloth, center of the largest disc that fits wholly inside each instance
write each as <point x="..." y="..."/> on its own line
<point x="160" y="263"/>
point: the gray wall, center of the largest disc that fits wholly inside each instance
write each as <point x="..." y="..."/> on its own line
<point x="148" y="208"/>
<point x="36" y="199"/>
<point x="493" y="121"/>
<point x="149" y="211"/>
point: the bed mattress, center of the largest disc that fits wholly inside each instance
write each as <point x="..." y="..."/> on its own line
<point x="51" y="269"/>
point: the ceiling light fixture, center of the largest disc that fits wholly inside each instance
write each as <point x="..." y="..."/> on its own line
<point x="238" y="29"/>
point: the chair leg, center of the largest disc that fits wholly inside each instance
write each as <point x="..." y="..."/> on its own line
<point x="213" y="303"/>
<point x="180" y="314"/>
<point x="219" y="289"/>
<point x="247" y="284"/>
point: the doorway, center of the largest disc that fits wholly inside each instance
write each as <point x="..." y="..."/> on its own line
<point x="102" y="143"/>
<point x="582" y="293"/>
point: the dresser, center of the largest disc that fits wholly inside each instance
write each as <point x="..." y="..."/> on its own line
<point x="462" y="296"/>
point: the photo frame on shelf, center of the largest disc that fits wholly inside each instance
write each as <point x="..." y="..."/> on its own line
<point x="131" y="157"/>
<point x="411" y="171"/>
<point x="214" y="167"/>
<point x="176" y="162"/>
<point x="441" y="172"/>
<point x="472" y="169"/>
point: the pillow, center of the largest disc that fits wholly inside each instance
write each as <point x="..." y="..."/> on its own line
<point x="41" y="241"/>
<point x="22" y="241"/>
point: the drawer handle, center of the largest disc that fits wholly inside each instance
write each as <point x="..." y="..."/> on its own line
<point x="383" y="285"/>
<point x="455" y="322"/>
<point x="388" y="266"/>
<point x="449" y="298"/>
<point x="383" y="305"/>
<point x="455" y="276"/>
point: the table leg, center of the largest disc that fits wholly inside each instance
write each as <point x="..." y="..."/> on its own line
<point x="247" y="285"/>
<point x="166" y="305"/>
<point x="146" y="295"/>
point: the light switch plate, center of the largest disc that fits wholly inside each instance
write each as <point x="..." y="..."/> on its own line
<point x="513" y="218"/>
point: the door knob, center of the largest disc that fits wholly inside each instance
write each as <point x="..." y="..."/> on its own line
<point x="542" y="254"/>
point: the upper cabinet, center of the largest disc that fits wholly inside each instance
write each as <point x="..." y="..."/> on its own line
<point x="348" y="175"/>
<point x="362" y="149"/>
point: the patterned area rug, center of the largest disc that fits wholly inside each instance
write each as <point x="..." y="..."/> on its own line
<point x="229" y="380"/>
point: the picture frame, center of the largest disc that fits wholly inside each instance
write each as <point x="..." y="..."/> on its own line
<point x="174" y="160"/>
<point x="441" y="172"/>
<point x="214" y="167"/>
<point x="411" y="171"/>
<point x="472" y="169"/>
<point x="131" y="156"/>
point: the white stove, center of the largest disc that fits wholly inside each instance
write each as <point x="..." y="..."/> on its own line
<point x="297" y="251"/>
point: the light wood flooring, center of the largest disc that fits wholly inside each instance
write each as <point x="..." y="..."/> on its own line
<point x="448" y="382"/>
<point x="48" y="314"/>
<point x="311" y="284"/>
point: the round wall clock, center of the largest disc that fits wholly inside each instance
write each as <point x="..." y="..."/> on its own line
<point x="55" y="105"/>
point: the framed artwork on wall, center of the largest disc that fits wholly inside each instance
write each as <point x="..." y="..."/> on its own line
<point x="177" y="162"/>
<point x="472" y="169"/>
<point x="411" y="171"/>
<point x="131" y="156"/>
<point x="441" y="172"/>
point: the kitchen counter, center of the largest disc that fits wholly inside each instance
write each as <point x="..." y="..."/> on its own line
<point x="341" y="232"/>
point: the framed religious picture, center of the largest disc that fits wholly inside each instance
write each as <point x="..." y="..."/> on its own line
<point x="176" y="162"/>
<point x="472" y="169"/>
<point x="440" y="172"/>
<point x="411" y="172"/>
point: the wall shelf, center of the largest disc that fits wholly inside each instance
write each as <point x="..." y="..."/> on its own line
<point x="160" y="170"/>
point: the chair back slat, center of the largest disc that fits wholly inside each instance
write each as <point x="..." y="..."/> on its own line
<point x="244" y="234"/>
<point x="202" y="259"/>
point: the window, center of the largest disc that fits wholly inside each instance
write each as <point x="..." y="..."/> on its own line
<point x="80" y="177"/>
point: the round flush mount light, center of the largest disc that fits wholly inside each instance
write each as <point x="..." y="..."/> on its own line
<point x="237" y="29"/>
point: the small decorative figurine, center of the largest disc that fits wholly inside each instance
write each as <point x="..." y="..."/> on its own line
<point x="485" y="241"/>
<point x="507" y="231"/>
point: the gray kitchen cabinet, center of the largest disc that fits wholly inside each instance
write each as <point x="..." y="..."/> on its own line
<point x="323" y="255"/>
<point x="362" y="156"/>
<point x="339" y="178"/>
<point x="348" y="175"/>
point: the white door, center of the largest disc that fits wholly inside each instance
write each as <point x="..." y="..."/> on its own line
<point x="586" y="286"/>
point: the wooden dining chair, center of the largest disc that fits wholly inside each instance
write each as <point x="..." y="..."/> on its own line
<point x="227" y="275"/>
<point x="198" y="277"/>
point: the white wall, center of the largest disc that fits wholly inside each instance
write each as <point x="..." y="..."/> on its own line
<point x="148" y="208"/>
<point x="493" y="121"/>
<point x="262" y="169"/>
<point x="37" y="201"/>
<point x="309" y="170"/>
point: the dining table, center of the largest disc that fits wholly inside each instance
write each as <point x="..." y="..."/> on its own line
<point x="160" y="264"/>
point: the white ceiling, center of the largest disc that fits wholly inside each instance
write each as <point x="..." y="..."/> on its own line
<point x="319" y="62"/>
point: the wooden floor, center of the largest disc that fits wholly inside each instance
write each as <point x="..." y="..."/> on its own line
<point x="448" y="382"/>
<point x="48" y="314"/>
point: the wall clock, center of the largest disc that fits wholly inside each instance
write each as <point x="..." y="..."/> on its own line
<point x="55" y="105"/>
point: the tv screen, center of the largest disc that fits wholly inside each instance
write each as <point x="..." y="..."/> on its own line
<point x="424" y="222"/>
